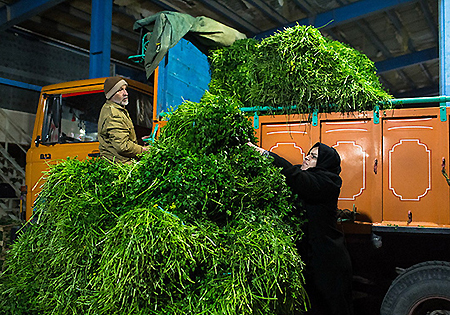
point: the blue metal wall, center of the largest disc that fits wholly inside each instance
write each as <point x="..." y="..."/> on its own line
<point x="183" y="75"/>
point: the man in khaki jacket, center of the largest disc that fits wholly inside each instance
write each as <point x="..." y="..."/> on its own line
<point x="116" y="133"/>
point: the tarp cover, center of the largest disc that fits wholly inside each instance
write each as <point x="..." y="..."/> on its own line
<point x="166" y="28"/>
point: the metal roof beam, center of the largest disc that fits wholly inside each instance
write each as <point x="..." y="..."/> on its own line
<point x="406" y="79"/>
<point x="166" y="5"/>
<point x="429" y="18"/>
<point x="22" y="10"/>
<point x="304" y="6"/>
<point x="84" y="16"/>
<point x="373" y="38"/>
<point x="337" y="35"/>
<point x="401" y="31"/>
<point x="427" y="73"/>
<point x="402" y="61"/>
<point x="333" y="35"/>
<point x="342" y="2"/>
<point x="432" y="90"/>
<point x="21" y="85"/>
<point x="72" y="33"/>
<point x="385" y="83"/>
<point x="224" y="11"/>
<point x="345" y="14"/>
<point x="269" y="11"/>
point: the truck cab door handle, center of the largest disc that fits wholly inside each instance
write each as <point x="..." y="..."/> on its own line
<point x="94" y="154"/>
<point x="37" y="141"/>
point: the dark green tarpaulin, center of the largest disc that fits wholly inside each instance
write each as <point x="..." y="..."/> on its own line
<point x="166" y="28"/>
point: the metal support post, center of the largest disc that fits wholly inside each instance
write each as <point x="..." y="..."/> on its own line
<point x="100" y="45"/>
<point x="444" y="51"/>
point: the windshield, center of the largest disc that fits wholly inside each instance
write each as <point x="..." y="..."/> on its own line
<point x="73" y="117"/>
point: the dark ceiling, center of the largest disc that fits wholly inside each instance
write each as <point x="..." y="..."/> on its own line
<point x="401" y="37"/>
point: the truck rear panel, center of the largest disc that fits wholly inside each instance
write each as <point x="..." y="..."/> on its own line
<point x="391" y="169"/>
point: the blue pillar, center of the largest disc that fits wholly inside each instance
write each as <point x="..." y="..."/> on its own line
<point x="100" y="46"/>
<point x="444" y="54"/>
<point x="444" y="47"/>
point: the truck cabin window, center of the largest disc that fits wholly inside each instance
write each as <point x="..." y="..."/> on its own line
<point x="72" y="118"/>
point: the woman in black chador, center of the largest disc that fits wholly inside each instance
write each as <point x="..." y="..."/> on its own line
<point x="327" y="263"/>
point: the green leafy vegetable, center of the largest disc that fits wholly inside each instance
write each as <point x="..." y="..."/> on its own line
<point x="297" y="67"/>
<point x="202" y="224"/>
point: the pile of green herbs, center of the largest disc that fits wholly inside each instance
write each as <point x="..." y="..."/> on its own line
<point x="299" y="70"/>
<point x="202" y="224"/>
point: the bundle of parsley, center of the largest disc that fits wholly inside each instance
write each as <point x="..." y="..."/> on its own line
<point x="200" y="225"/>
<point x="297" y="67"/>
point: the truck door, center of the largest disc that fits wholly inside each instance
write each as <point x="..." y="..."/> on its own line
<point x="68" y="129"/>
<point x="290" y="140"/>
<point x="414" y="190"/>
<point x="358" y="144"/>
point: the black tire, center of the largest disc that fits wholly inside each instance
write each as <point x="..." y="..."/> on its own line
<point x="420" y="290"/>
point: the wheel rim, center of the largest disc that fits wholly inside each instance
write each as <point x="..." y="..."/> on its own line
<point x="434" y="305"/>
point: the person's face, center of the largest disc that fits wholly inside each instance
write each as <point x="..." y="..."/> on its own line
<point x="121" y="97"/>
<point x="311" y="159"/>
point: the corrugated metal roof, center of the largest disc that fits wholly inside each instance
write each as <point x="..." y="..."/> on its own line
<point x="402" y="40"/>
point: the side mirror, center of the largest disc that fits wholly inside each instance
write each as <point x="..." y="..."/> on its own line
<point x="37" y="141"/>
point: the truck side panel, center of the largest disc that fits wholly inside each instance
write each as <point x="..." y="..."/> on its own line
<point x="414" y="189"/>
<point x="358" y="143"/>
<point x="391" y="170"/>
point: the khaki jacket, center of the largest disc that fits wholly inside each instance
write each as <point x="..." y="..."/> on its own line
<point x="116" y="134"/>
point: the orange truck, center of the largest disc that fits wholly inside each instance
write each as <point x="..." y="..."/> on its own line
<point x="66" y="125"/>
<point x="394" y="205"/>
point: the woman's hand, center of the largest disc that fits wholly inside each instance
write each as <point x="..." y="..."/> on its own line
<point x="260" y="150"/>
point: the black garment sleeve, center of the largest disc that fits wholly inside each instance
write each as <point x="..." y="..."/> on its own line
<point x="300" y="182"/>
<point x="312" y="185"/>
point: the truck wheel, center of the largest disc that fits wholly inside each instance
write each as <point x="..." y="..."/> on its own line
<point x="423" y="289"/>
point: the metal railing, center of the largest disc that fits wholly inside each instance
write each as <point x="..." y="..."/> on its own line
<point x="15" y="171"/>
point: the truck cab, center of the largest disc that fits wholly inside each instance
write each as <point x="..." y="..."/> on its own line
<point x="66" y="125"/>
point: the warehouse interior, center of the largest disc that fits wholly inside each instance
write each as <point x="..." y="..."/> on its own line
<point x="45" y="42"/>
<point x="52" y="41"/>
<point x="401" y="37"/>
